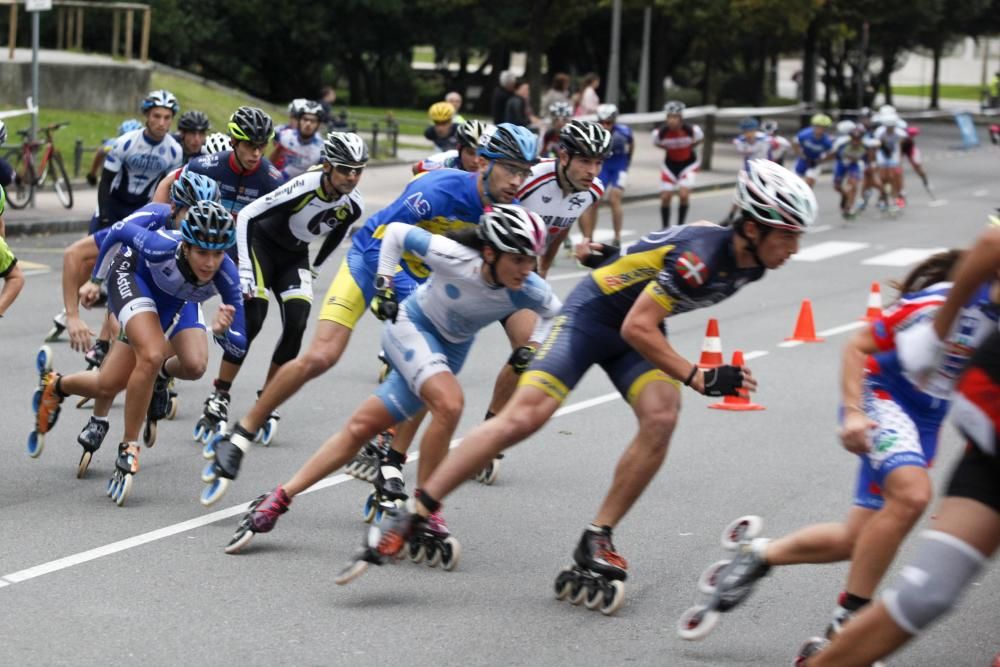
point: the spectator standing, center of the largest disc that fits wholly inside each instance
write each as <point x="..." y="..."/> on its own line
<point x="587" y="99"/>
<point x="558" y="92"/>
<point x="519" y="107"/>
<point x="501" y="94"/>
<point x="454" y="98"/>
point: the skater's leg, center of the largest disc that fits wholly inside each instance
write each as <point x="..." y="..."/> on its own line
<point x="665" y="197"/>
<point x="443" y="397"/>
<point x="146" y="338"/>
<point x="819" y="542"/>
<point x="107" y="382"/>
<point x="370" y="419"/>
<point x="656" y="406"/>
<point x="190" y="358"/>
<point x="682" y="206"/>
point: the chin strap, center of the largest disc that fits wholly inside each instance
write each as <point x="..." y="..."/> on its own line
<point x="751" y="246"/>
<point x="486" y="185"/>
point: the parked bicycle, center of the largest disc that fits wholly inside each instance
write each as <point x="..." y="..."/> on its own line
<point x="33" y="162"/>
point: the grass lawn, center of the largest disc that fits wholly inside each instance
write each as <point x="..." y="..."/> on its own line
<point x="947" y="91"/>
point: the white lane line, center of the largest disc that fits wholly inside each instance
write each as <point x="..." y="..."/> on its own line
<point x="826" y="250"/>
<point x="901" y="257"/>
<point x="982" y="192"/>
<point x="817" y="230"/>
<point x="843" y="328"/>
<point x="938" y="202"/>
<point x="567" y="276"/>
<point x="756" y="354"/>
<point x="790" y="343"/>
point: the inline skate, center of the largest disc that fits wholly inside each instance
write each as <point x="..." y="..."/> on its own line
<point x="598" y="575"/>
<point x="433" y="544"/>
<point x="383" y="542"/>
<point x="265" y="434"/>
<point x="260" y="517"/>
<point x="489" y="474"/>
<point x="159" y="408"/>
<point x="213" y="418"/>
<point x="126" y="467"/>
<point x="812" y="646"/>
<point x="365" y="464"/>
<point x="58" y="326"/>
<point x="727" y="582"/>
<point x="46" y="402"/>
<point x="390" y="491"/>
<point x="91" y="438"/>
<point x="228" y="450"/>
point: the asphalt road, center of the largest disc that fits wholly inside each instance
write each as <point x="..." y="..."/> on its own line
<point x="85" y="582"/>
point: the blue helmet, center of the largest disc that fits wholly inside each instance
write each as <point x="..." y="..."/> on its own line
<point x="129" y="125"/>
<point x="209" y="225"/>
<point x="749" y="123"/>
<point x="510" y="142"/>
<point x="191" y="188"/>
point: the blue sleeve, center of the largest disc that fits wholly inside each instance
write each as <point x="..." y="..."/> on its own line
<point x="227" y="282"/>
<point x="417" y="240"/>
<point x="119" y="234"/>
<point x="534" y="294"/>
<point x="151" y="216"/>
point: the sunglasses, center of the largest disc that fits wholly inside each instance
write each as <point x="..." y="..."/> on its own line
<point x="348" y="170"/>
<point x="515" y="170"/>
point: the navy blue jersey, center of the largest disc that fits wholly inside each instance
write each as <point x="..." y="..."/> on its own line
<point x="238" y="187"/>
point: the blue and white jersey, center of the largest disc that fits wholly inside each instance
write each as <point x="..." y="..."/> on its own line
<point x="758" y="147"/>
<point x="298" y="154"/>
<point x="621" y="148"/>
<point x="171" y="285"/>
<point x="139" y="163"/>
<point x="813" y="147"/>
<point x="150" y="217"/>
<point x="849" y="153"/>
<point x="456" y="299"/>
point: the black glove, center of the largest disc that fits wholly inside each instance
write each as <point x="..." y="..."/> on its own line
<point x="521" y="358"/>
<point x="384" y="305"/>
<point x="91" y="180"/>
<point x="598" y="257"/>
<point x="723" y="381"/>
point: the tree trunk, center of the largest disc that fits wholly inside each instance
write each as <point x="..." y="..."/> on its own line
<point x="706" y="82"/>
<point x="657" y="61"/>
<point x="888" y="62"/>
<point x="809" y="63"/>
<point x="936" y="72"/>
<point x="533" y="69"/>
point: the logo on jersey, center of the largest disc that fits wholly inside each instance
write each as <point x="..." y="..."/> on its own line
<point x="546" y="198"/>
<point x="576" y="201"/>
<point x="416" y="203"/>
<point x="690" y="267"/>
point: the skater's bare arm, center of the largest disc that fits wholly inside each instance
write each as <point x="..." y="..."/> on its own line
<point x="550" y="252"/>
<point x="162" y="194"/>
<point x="855" y="425"/>
<point x="12" y="285"/>
<point x="641" y="329"/>
<point x="78" y="259"/>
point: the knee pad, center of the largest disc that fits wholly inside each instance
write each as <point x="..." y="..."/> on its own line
<point x="931" y="583"/>
<point x="295" y="318"/>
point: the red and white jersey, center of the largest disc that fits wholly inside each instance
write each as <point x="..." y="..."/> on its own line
<point x="779" y="147"/>
<point x="542" y="195"/>
<point x="678" y="143"/>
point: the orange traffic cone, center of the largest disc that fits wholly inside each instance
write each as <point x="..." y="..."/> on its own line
<point x="805" y="329"/>
<point x="741" y="402"/>
<point x="711" y="347"/>
<point x="874" y="304"/>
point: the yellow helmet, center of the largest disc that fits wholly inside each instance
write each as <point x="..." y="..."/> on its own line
<point x="821" y="120"/>
<point x="441" y="112"/>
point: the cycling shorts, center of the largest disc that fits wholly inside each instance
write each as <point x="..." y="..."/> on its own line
<point x="842" y="171"/>
<point x="285" y="273"/>
<point x="613" y="178"/>
<point x="353" y="287"/>
<point x="807" y="168"/>
<point x="678" y="175"/>
<point x="977" y="477"/>
<point x="129" y="295"/>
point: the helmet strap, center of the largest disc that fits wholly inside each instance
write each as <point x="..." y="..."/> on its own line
<point x="184" y="266"/>
<point x="494" y="279"/>
<point x="563" y="177"/>
<point x="751" y="245"/>
<point x="486" y="182"/>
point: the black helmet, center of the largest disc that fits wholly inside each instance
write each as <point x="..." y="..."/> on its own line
<point x="193" y="121"/>
<point x="251" y="124"/>
<point x="585" y="138"/>
<point x="345" y="148"/>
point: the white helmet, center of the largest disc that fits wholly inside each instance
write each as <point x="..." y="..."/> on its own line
<point x="774" y="196"/>
<point x="217" y="142"/>
<point x="845" y="126"/>
<point x="511" y="228"/>
<point x="887" y="110"/>
<point x="607" y="112"/>
<point x="674" y="107"/>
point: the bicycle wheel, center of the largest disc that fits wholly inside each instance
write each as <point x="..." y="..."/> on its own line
<point x="20" y="191"/>
<point x="64" y="191"/>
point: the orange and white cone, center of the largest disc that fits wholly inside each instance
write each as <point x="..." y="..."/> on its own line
<point x="874" y="310"/>
<point x="805" y="328"/>
<point x="741" y="402"/>
<point x="711" y="347"/>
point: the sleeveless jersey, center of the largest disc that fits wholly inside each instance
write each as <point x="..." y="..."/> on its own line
<point x="139" y="163"/>
<point x="542" y="195"/>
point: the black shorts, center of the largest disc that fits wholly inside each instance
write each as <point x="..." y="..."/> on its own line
<point x="977" y="476"/>
<point x="283" y="272"/>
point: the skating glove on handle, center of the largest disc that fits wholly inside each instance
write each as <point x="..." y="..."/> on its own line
<point x="723" y="381"/>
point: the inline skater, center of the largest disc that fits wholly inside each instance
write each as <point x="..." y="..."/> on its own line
<point x="779" y="145"/>
<point x="965" y="532"/>
<point x="439" y="201"/>
<point x="10" y="272"/>
<point x="443" y="131"/>
<point x="891" y="421"/>
<point x="614" y="173"/>
<point x="849" y="154"/>
<point x="273" y="236"/>
<point x="159" y="281"/>
<point x="464" y="157"/>
<point x="559" y="115"/>
<point x="614" y="318"/>
<point x="300" y="148"/>
<point x="680" y="164"/>
<point x="889" y="159"/>
<point x="192" y="128"/>
<point x="912" y="153"/>
<point x="751" y="144"/>
<point x="479" y="275"/>
<point x="294" y="107"/>
<point x="98" y="162"/>
<point x="243" y="173"/>
<point x="812" y="146"/>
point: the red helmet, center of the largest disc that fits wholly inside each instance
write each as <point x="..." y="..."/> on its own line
<point x="912" y="131"/>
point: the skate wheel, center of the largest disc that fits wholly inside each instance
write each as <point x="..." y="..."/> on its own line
<point x="371" y="472"/>
<point x="199" y="431"/>
<point x="353" y="570"/>
<point x="240" y="539"/>
<point x="488" y="475"/>
<point x="112" y="484"/>
<point x="741" y="530"/>
<point x="417" y="552"/>
<point x="36" y="402"/>
<point x="149" y="434"/>
<point x="697" y="622"/>
<point x="267" y="433"/>
<point x="208" y="451"/>
<point x="172" y="410"/>
<point x="612" y="596"/>
<point x="81" y="468"/>
<point x="579" y="593"/>
<point x="564" y="583"/>
<point x="36" y="443"/>
<point x="433" y="556"/>
<point x="215" y="490"/>
<point x="451" y="551"/>
<point x="208" y="473"/>
<point x="371" y="508"/>
<point x="709" y="579"/>
<point x="123" y="490"/>
<point x="43" y="360"/>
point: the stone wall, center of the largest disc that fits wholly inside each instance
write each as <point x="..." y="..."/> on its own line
<point x="109" y="87"/>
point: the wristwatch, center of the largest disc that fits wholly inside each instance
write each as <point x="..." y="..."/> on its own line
<point x="383" y="282"/>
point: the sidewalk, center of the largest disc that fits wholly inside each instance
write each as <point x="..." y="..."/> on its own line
<point x="380" y="185"/>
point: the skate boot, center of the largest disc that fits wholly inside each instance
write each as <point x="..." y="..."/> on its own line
<point x="229" y="449"/>
<point x="726" y="583"/>
<point x="159" y="408"/>
<point x="58" y="326"/>
<point x="382" y="542"/>
<point x="46" y="402"/>
<point x="433" y="544"/>
<point x="365" y="464"/>
<point x="812" y="646"/>
<point x="126" y="466"/>
<point x="94" y="357"/>
<point x="597" y="578"/>
<point x="214" y="417"/>
<point x="265" y="434"/>
<point x="488" y="475"/>
<point x="91" y="438"/>
<point x="390" y="491"/>
<point x="260" y="517"/>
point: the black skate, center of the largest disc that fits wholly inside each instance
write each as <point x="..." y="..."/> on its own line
<point x="364" y="466"/>
<point x="488" y="475"/>
<point x="126" y="466"/>
<point x="159" y="408"/>
<point x="597" y="578"/>
<point x="727" y="582"/>
<point x="390" y="491"/>
<point x="213" y="419"/>
<point x="433" y="544"/>
<point x="229" y="449"/>
<point x="91" y="438"/>
<point x="58" y="326"/>
<point x="812" y="646"/>
<point x="382" y="543"/>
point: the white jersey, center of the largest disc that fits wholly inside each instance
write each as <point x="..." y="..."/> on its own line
<point x="779" y="147"/>
<point x="456" y="299"/>
<point x="890" y="142"/>
<point x="298" y="155"/>
<point x="759" y="148"/>
<point x="542" y="194"/>
<point x="139" y="163"/>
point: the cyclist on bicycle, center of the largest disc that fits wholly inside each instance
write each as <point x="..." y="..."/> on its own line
<point x="138" y="161"/>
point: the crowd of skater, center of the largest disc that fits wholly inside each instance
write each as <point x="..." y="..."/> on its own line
<point x="469" y="242"/>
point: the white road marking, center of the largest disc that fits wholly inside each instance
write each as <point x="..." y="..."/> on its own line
<point x="756" y="354"/>
<point x="567" y="276"/>
<point x="901" y="257"/>
<point x="850" y="326"/>
<point x="982" y="192"/>
<point x="817" y="230"/>
<point x="938" y="202"/>
<point x="790" y="343"/>
<point x="826" y="250"/>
